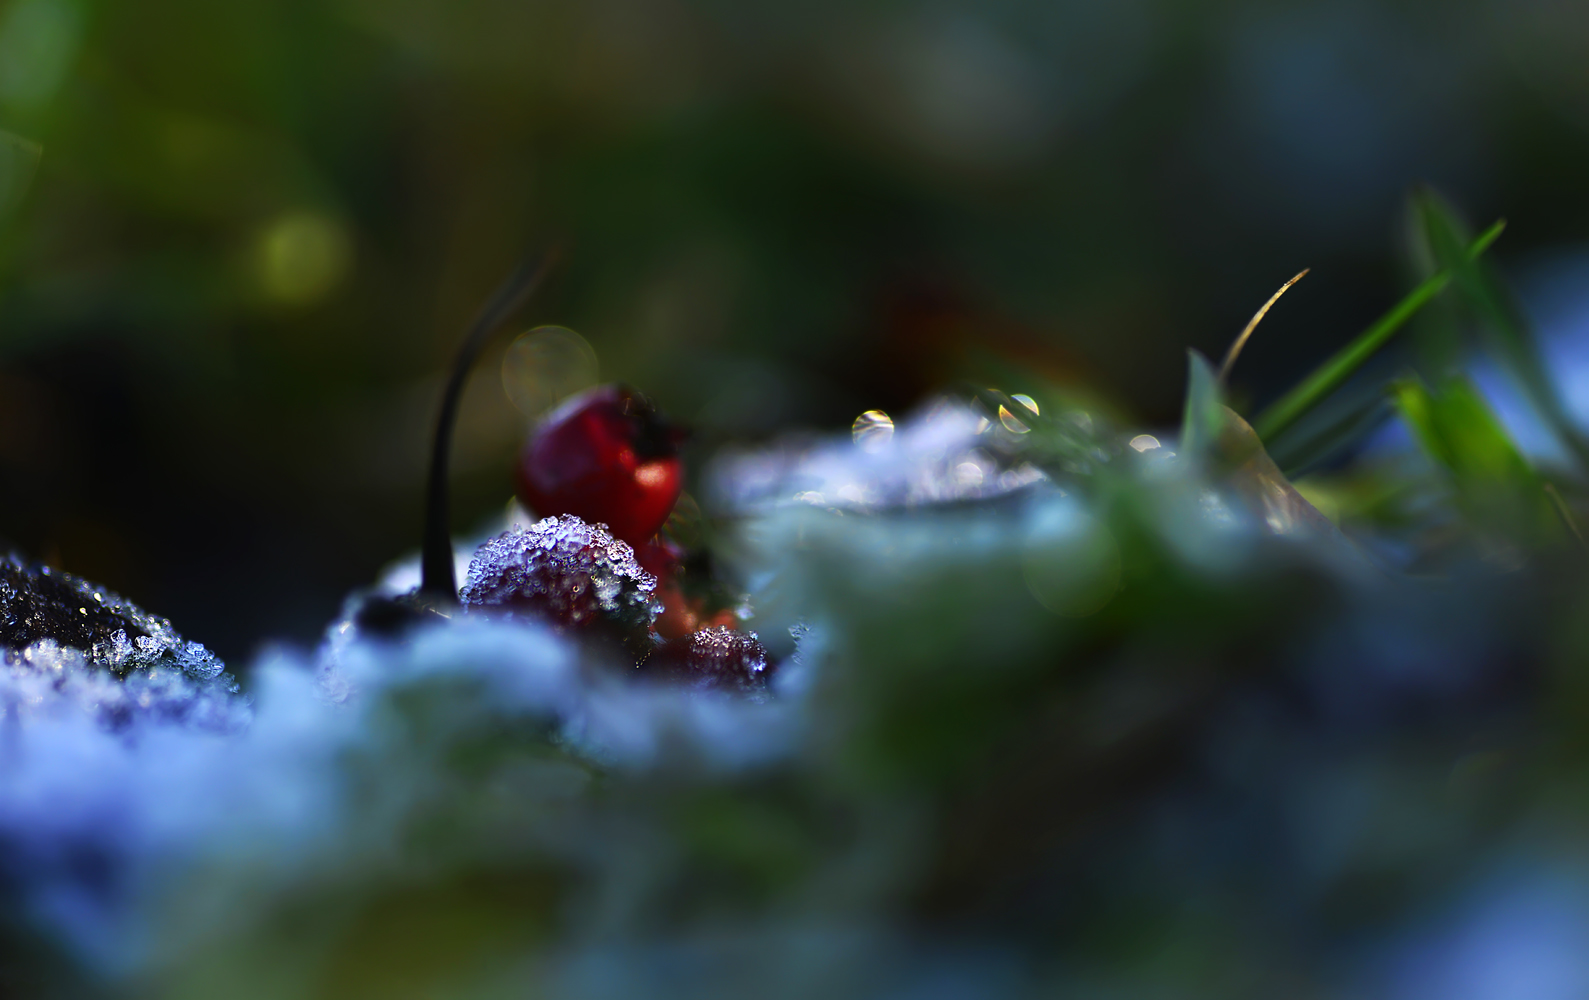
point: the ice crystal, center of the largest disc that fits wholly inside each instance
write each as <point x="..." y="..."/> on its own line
<point x="63" y="639"/>
<point x="38" y="604"/>
<point x="573" y="574"/>
<point x="720" y="658"/>
<point x="947" y="454"/>
<point x="44" y="678"/>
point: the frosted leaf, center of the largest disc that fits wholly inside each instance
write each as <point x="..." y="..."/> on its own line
<point x="573" y="574"/>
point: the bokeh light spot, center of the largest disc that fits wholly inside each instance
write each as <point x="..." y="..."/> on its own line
<point x="302" y="257"/>
<point x="546" y="365"/>
<point x="1071" y="563"/>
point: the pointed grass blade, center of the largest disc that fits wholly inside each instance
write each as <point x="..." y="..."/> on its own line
<point x="1496" y="488"/>
<point x="1241" y="339"/>
<point x="1509" y="336"/>
<point x="1328" y="376"/>
<point x="1204" y="418"/>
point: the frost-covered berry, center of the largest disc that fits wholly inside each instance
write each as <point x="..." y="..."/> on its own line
<point x="573" y="574"/>
<point x="720" y="658"/>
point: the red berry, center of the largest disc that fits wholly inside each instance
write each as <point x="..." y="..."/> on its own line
<point x="605" y="456"/>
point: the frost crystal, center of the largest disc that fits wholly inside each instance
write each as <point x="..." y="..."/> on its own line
<point x="568" y="572"/>
<point x="947" y="454"/>
<point x="715" y="658"/>
<point x="64" y="641"/>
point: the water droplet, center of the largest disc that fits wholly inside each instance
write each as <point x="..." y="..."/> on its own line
<point x="1011" y="424"/>
<point x="873" y="430"/>
<point x="545" y="365"/>
<point x="1144" y="442"/>
<point x="968" y="474"/>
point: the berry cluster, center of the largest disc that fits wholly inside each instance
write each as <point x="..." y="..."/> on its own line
<point x="605" y="467"/>
<point x="603" y="472"/>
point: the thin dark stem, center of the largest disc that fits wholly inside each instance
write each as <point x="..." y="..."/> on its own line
<point x="437" y="578"/>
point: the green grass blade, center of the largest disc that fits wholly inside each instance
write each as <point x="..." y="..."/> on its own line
<point x="1496" y="488"/>
<point x="1328" y="376"/>
<point x="1509" y="336"/>
<point x="1329" y="431"/>
<point x="1204" y="416"/>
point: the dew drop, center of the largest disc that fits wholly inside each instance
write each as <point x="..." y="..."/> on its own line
<point x="873" y="430"/>
<point x="1011" y="422"/>
<point x="968" y="474"/>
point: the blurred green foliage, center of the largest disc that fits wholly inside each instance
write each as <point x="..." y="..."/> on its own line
<point x="1498" y="489"/>
<point x="18" y="160"/>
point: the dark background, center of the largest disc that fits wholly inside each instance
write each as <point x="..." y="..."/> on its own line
<point x="258" y="229"/>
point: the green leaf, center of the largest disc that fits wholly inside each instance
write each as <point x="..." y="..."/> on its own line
<point x="1496" y="488"/>
<point x="1204" y="419"/>
<point x="1508" y="335"/>
<point x="1230" y="454"/>
<point x="1328" y="376"/>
